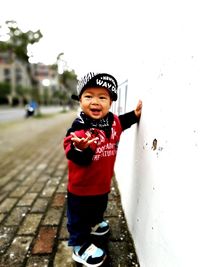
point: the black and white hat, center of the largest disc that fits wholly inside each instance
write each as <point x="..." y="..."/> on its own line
<point x="97" y="80"/>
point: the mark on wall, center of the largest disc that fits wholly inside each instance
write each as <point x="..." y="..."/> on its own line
<point x="145" y="145"/>
<point x="154" y="144"/>
<point x="156" y="147"/>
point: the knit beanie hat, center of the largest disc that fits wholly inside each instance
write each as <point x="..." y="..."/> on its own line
<point x="97" y="80"/>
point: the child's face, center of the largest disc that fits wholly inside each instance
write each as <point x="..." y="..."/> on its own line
<point x="95" y="102"/>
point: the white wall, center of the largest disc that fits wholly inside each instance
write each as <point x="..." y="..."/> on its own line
<point x="160" y="188"/>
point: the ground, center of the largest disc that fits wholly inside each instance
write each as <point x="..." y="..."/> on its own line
<point x="33" y="178"/>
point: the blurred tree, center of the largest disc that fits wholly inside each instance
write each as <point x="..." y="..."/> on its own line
<point x="66" y="78"/>
<point x="22" y="93"/>
<point x="36" y="95"/>
<point x="46" y="97"/>
<point x="68" y="82"/>
<point x="17" y="45"/>
<point x="18" y="41"/>
<point x="5" y="90"/>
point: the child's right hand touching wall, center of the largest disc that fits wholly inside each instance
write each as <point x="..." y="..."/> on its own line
<point x="138" y="109"/>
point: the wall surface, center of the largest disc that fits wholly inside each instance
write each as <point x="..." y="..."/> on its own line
<point x="158" y="162"/>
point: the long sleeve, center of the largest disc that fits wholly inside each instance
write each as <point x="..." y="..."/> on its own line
<point x="128" y="119"/>
<point x="82" y="158"/>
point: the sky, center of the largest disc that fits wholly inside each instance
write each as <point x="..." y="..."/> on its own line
<point x="92" y="34"/>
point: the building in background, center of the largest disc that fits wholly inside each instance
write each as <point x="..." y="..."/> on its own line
<point x="14" y="73"/>
<point x="46" y="79"/>
<point x="26" y="80"/>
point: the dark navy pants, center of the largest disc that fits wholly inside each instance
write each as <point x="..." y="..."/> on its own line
<point x="84" y="212"/>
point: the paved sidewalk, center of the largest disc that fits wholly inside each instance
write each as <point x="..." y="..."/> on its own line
<point x="33" y="177"/>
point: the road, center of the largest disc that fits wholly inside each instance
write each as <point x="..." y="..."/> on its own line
<point x="12" y="114"/>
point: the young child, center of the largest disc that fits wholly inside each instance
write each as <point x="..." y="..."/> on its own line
<point x="91" y="147"/>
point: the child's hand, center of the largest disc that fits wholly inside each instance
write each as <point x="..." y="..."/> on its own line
<point x="138" y="109"/>
<point x="82" y="143"/>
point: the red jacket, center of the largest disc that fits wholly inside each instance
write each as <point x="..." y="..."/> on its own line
<point x="90" y="171"/>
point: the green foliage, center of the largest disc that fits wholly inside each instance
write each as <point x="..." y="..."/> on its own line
<point x="5" y="89"/>
<point x="19" y="40"/>
<point x="21" y="91"/>
<point x="67" y="76"/>
<point x="54" y="67"/>
<point x="35" y="95"/>
<point x="46" y="97"/>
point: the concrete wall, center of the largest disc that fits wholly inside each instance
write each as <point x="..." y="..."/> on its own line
<point x="160" y="182"/>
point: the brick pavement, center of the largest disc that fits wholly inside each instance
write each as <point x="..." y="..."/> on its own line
<point x="33" y="177"/>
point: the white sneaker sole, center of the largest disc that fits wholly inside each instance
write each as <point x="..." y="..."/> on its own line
<point x="78" y="259"/>
<point x="95" y="233"/>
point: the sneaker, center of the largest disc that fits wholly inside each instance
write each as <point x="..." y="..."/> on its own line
<point x="89" y="255"/>
<point x="100" y="229"/>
